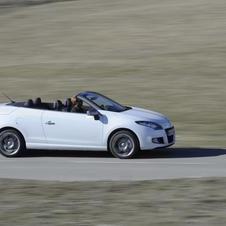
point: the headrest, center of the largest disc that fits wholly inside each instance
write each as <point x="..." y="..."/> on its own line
<point x="38" y="101"/>
<point x="29" y="103"/>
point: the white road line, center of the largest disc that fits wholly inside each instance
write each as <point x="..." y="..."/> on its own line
<point x="147" y="163"/>
<point x="122" y="162"/>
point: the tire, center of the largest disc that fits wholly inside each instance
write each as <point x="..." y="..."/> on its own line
<point x="12" y="143"/>
<point x="123" y="144"/>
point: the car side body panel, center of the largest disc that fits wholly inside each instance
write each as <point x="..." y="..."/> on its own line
<point x="72" y="130"/>
<point x="27" y="122"/>
<point x="127" y="120"/>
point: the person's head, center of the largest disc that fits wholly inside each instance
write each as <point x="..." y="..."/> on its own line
<point x="74" y="100"/>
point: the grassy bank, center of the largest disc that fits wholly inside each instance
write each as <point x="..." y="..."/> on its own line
<point x="168" y="56"/>
<point x="167" y="202"/>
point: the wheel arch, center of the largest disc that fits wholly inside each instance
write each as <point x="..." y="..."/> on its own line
<point x="121" y="129"/>
<point x="13" y="128"/>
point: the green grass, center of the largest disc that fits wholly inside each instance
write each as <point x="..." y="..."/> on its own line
<point x="168" y="202"/>
<point x="166" y="55"/>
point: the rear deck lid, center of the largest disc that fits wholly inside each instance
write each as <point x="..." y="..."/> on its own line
<point x="6" y="109"/>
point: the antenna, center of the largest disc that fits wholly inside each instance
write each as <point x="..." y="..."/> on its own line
<point x="12" y="101"/>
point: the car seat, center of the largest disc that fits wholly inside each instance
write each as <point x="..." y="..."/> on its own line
<point x="57" y="105"/>
<point x="68" y="105"/>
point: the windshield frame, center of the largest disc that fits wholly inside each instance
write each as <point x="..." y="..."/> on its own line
<point x="83" y="96"/>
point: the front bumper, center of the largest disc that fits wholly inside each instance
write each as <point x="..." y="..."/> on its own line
<point x="158" y="139"/>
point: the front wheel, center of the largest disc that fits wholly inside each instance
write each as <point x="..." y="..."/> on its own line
<point x="11" y="143"/>
<point x="124" y="144"/>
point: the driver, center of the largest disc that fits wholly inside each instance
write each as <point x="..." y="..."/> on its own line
<point x="76" y="105"/>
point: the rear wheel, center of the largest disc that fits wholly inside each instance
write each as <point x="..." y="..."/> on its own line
<point x="123" y="144"/>
<point x="11" y="143"/>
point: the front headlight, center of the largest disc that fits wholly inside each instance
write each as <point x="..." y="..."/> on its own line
<point x="152" y="125"/>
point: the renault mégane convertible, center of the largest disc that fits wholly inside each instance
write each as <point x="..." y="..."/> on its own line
<point x="100" y="124"/>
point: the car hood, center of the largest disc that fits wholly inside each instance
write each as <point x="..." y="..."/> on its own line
<point x="147" y="115"/>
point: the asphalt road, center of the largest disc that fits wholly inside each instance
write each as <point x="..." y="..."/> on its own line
<point x="90" y="166"/>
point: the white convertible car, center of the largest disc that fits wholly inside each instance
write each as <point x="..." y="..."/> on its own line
<point x="100" y="124"/>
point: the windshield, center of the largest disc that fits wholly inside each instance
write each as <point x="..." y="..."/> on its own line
<point x="104" y="103"/>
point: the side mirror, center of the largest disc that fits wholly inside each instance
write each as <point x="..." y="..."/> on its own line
<point x="94" y="113"/>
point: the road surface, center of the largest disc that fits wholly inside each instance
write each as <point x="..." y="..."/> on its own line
<point x="95" y="166"/>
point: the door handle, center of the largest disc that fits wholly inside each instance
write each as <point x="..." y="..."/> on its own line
<point x="50" y="123"/>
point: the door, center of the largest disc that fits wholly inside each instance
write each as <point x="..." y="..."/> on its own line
<point x="72" y="129"/>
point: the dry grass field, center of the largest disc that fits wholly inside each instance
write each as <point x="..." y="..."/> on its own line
<point x="166" y="55"/>
<point x="162" y="203"/>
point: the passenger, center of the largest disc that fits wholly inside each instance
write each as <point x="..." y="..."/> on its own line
<point x="76" y="105"/>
